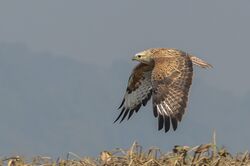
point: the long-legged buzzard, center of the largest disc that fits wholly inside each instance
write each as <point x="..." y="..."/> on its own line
<point x="166" y="75"/>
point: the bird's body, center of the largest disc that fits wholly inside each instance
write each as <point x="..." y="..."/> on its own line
<point x="166" y="75"/>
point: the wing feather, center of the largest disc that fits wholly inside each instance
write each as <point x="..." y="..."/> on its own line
<point x="160" y="121"/>
<point x="123" y="109"/>
<point x="167" y="123"/>
<point x="138" y="91"/>
<point x="171" y="81"/>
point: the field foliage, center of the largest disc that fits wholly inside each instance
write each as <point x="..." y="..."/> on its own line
<point x="205" y="154"/>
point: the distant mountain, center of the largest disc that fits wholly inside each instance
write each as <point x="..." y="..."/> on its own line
<point x="51" y="105"/>
<point x="47" y="101"/>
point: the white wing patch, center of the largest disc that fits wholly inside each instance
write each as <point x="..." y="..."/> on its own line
<point x="164" y="109"/>
<point x="132" y="101"/>
<point x="165" y="113"/>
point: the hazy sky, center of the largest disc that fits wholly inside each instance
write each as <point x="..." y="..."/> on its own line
<point x="65" y="65"/>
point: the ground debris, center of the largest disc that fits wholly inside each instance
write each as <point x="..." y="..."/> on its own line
<point x="202" y="155"/>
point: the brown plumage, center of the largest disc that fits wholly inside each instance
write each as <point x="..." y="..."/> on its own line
<point x="166" y="75"/>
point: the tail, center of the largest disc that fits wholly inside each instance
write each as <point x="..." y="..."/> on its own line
<point x="199" y="62"/>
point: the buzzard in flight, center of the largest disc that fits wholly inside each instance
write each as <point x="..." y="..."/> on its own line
<point x="166" y="75"/>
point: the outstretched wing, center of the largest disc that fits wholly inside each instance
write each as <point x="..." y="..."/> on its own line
<point x="138" y="91"/>
<point x="171" y="80"/>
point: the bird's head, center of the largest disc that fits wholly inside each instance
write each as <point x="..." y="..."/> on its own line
<point x="147" y="56"/>
<point x="143" y="57"/>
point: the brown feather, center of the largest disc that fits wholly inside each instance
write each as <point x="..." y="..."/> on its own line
<point x="171" y="81"/>
<point x="167" y="77"/>
<point x="137" y="75"/>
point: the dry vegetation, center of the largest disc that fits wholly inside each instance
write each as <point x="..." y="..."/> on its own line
<point x="206" y="154"/>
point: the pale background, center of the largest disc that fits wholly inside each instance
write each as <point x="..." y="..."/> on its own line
<point x="64" y="67"/>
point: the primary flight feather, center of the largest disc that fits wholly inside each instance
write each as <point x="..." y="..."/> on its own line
<point x="166" y="75"/>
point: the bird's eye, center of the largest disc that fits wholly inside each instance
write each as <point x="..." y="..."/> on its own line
<point x="139" y="56"/>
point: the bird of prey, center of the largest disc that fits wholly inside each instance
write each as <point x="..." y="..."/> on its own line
<point x="166" y="75"/>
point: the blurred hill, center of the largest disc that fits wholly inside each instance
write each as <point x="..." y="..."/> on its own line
<point x="52" y="105"/>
